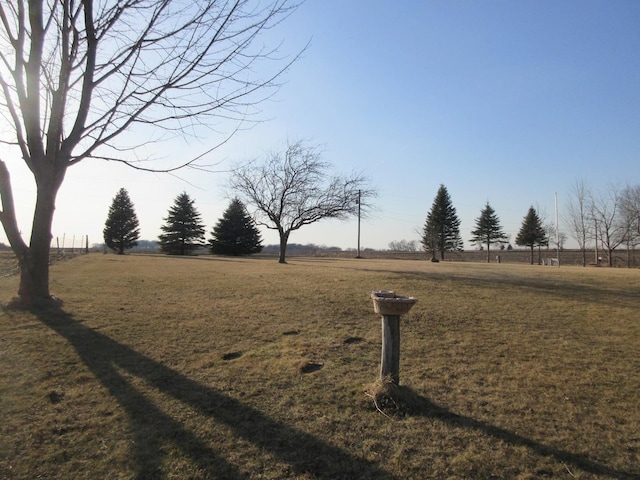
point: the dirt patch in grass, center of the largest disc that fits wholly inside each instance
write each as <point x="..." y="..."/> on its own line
<point x="309" y="366"/>
<point x="231" y="355"/>
<point x="353" y="340"/>
<point x="506" y="371"/>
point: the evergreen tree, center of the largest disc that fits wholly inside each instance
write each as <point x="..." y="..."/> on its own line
<point x="183" y="230"/>
<point x="531" y="232"/>
<point x="488" y="229"/>
<point x="441" y="230"/>
<point x="236" y="232"/>
<point x="121" y="230"/>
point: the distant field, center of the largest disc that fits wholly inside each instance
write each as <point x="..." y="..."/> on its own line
<point x="166" y="367"/>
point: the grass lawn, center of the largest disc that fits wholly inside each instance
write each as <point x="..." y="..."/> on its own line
<point x="189" y="368"/>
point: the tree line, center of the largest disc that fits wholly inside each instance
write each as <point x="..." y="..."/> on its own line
<point x="441" y="231"/>
<point x="605" y="221"/>
<point x="286" y="191"/>
<point x="183" y="231"/>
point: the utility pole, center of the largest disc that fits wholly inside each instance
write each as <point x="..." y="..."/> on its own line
<point x="359" y="198"/>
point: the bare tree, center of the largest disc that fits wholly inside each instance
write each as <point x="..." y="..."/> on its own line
<point x="76" y="75"/>
<point x="403" y="245"/>
<point x="610" y="230"/>
<point x="630" y="218"/>
<point x="288" y="191"/>
<point x="578" y="217"/>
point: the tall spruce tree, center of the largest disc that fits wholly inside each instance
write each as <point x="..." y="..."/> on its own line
<point x="488" y="229"/>
<point x="121" y="230"/>
<point x="183" y="229"/>
<point x="441" y="230"/>
<point x="235" y="233"/>
<point x="532" y="233"/>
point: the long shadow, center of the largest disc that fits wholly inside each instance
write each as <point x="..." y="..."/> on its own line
<point x="304" y="453"/>
<point x="552" y="288"/>
<point x="425" y="407"/>
<point x="152" y="428"/>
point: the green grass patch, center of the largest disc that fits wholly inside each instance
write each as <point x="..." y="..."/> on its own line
<point x="204" y="367"/>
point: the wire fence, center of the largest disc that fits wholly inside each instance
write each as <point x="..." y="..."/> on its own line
<point x="62" y="248"/>
<point x="70" y="244"/>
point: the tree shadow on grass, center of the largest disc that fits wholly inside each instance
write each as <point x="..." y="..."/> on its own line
<point x="417" y="405"/>
<point x="152" y="427"/>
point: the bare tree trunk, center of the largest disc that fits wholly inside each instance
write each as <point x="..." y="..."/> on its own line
<point x="34" y="258"/>
<point x="34" y="265"/>
<point x="284" y="239"/>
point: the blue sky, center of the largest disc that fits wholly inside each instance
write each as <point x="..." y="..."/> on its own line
<point x="500" y="101"/>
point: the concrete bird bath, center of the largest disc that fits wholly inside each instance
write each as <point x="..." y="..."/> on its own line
<point x="391" y="306"/>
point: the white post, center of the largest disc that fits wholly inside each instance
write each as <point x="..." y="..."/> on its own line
<point x="557" y="231"/>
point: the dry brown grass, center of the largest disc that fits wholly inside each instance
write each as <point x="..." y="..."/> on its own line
<point x="164" y="367"/>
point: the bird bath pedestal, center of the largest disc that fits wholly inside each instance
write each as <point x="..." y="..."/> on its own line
<point x="391" y="306"/>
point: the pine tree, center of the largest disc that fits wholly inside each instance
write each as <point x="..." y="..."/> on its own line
<point x="236" y="232"/>
<point x="441" y="230"/>
<point x="531" y="232"/>
<point x="183" y="230"/>
<point x="121" y="230"/>
<point x="488" y="229"/>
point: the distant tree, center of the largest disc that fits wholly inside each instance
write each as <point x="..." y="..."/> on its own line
<point x="121" y="230"/>
<point x="235" y="233"/>
<point x="532" y="233"/>
<point x="403" y="246"/>
<point x="293" y="190"/>
<point x="441" y="230"/>
<point x="609" y="228"/>
<point x="488" y="229"/>
<point x="630" y="218"/>
<point x="631" y="202"/>
<point x="562" y="239"/>
<point x="183" y="230"/>
<point x="577" y="218"/>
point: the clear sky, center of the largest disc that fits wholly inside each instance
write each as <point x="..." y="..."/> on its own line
<point x="500" y="101"/>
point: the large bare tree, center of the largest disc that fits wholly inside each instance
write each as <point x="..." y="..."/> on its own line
<point x="292" y="189"/>
<point x="76" y="74"/>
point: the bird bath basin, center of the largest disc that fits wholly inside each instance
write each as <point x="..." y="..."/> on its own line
<point x="386" y="302"/>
